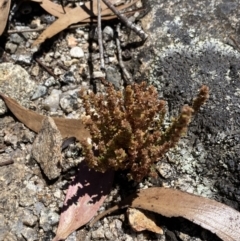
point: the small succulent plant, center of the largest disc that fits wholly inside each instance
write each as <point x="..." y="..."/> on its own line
<point x="126" y="128"/>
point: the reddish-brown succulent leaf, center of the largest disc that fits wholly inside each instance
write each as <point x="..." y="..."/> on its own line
<point x="218" y="218"/>
<point x="4" y="12"/>
<point x="85" y="195"/>
<point x="33" y="120"/>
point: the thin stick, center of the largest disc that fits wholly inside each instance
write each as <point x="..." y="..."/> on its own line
<point x="235" y="42"/>
<point x="5" y="163"/>
<point x="126" y="75"/>
<point x="28" y="30"/>
<point x="128" y="23"/>
<point x="62" y="66"/>
<point x="108" y="211"/>
<point x="25" y="30"/>
<point x="45" y="67"/>
<point x="100" y="43"/>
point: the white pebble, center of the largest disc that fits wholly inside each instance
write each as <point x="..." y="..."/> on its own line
<point x="76" y="52"/>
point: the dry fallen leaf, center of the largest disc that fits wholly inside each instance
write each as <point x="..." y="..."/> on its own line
<point x="72" y="15"/>
<point x="218" y="218"/>
<point x="33" y="120"/>
<point x="4" y="12"/>
<point x="85" y="195"/>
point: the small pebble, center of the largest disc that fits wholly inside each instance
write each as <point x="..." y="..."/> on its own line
<point x="28" y="218"/>
<point x="68" y="77"/>
<point x="11" y="47"/>
<point x="164" y="169"/>
<point x="35" y="71"/>
<point x="48" y="218"/>
<point x="22" y="58"/>
<point x="50" y="81"/>
<point x="76" y="52"/>
<point x="48" y="19"/>
<point x="16" y="38"/>
<point x="58" y="71"/>
<point x="48" y="57"/>
<point x="72" y="41"/>
<point x="109" y="235"/>
<point x="69" y="101"/>
<point x="40" y="91"/>
<point x="29" y="234"/>
<point x="99" y="233"/>
<point x="52" y="101"/>
<point x="38" y="207"/>
<point x="98" y="74"/>
<point x="108" y="33"/>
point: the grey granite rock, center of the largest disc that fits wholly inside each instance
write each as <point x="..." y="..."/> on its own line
<point x="16" y="83"/>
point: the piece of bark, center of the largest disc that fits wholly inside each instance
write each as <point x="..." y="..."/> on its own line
<point x="46" y="149"/>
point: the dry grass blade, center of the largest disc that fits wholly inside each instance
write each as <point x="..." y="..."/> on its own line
<point x="72" y="16"/>
<point x="4" y="12"/>
<point x="218" y="218"/>
<point x="33" y="120"/>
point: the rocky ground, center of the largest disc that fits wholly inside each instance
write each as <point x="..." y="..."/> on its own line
<point x="190" y="43"/>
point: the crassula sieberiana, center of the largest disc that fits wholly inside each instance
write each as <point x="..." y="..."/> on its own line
<point x="126" y="128"/>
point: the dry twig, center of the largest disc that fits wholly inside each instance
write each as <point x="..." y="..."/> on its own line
<point x="5" y="163"/>
<point x="45" y="67"/>
<point x="127" y="22"/>
<point x="126" y="75"/>
<point x="100" y="43"/>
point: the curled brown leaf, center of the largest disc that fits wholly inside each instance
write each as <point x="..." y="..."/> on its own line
<point x="4" y="12"/>
<point x="218" y="218"/>
<point x="72" y="15"/>
<point x="33" y="120"/>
